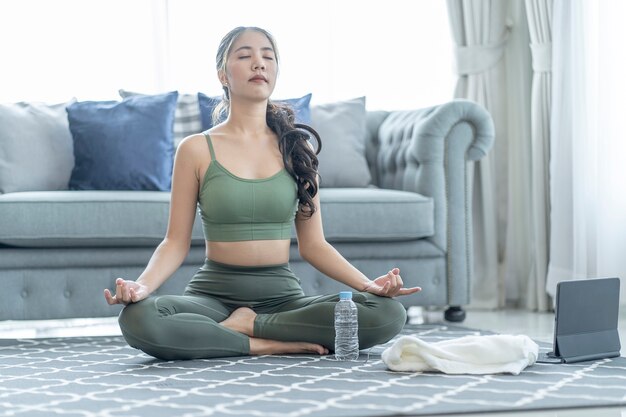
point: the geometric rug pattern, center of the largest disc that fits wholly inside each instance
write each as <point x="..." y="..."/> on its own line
<point x="104" y="377"/>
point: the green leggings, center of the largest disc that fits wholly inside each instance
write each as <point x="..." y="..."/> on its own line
<point x="187" y="326"/>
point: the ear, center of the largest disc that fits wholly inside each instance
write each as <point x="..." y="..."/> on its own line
<point x="221" y="75"/>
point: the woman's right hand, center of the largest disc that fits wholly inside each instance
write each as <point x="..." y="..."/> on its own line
<point x="126" y="292"/>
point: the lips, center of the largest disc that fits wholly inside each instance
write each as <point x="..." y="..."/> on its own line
<point x="258" y="78"/>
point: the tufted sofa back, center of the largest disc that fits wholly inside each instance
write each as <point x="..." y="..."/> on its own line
<point x="372" y="142"/>
<point x="426" y="151"/>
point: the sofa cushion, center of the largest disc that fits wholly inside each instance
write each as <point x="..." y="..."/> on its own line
<point x="139" y="218"/>
<point x="186" y="117"/>
<point x="343" y="130"/>
<point x="35" y="147"/>
<point x="85" y="218"/>
<point x="123" y="145"/>
<point x="300" y="106"/>
<point x="372" y="214"/>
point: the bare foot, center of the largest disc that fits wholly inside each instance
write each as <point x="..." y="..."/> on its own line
<point x="241" y="320"/>
<point x="271" y="347"/>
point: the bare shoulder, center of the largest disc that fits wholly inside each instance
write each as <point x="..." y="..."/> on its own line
<point x="192" y="141"/>
<point x="192" y="146"/>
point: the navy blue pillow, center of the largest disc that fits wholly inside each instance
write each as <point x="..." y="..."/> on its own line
<point x="300" y="106"/>
<point x="207" y="104"/>
<point x="123" y="145"/>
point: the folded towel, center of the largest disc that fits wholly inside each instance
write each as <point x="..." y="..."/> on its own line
<point x="490" y="354"/>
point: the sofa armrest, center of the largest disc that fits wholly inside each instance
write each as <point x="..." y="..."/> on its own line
<point x="430" y="151"/>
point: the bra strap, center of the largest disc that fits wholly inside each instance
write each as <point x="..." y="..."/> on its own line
<point x="208" y="140"/>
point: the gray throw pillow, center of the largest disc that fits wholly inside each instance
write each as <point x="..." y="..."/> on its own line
<point x="187" y="120"/>
<point x="36" y="148"/>
<point x="342" y="128"/>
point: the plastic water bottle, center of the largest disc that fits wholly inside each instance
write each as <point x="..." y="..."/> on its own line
<point x="346" y="328"/>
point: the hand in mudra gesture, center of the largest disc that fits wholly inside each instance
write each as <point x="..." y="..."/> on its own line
<point x="390" y="285"/>
<point x="126" y="292"/>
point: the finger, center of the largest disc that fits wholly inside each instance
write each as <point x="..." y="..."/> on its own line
<point x="119" y="288"/>
<point x="122" y="294"/>
<point x="320" y="349"/>
<point x="396" y="271"/>
<point x="385" y="288"/>
<point x="400" y="282"/>
<point x="393" y="279"/>
<point x="126" y="293"/>
<point x="393" y="292"/>
<point x="407" y="291"/>
<point x="133" y="295"/>
<point x="110" y="299"/>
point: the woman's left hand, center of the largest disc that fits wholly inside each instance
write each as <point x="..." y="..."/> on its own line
<point x="390" y="285"/>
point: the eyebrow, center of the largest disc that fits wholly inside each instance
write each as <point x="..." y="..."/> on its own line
<point x="266" y="48"/>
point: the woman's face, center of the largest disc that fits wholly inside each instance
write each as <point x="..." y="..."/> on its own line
<point x="251" y="67"/>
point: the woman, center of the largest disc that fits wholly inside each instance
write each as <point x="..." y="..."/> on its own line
<point x="252" y="176"/>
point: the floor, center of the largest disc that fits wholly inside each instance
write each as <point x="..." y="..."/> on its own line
<point x="538" y="326"/>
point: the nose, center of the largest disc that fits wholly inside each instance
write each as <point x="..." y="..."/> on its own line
<point x="258" y="63"/>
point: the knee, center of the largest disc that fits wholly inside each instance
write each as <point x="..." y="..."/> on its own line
<point x="133" y="315"/>
<point x="392" y="313"/>
<point x="138" y="324"/>
<point x="143" y="327"/>
<point x="386" y="320"/>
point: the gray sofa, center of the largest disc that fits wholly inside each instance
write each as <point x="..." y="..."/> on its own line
<point x="60" y="249"/>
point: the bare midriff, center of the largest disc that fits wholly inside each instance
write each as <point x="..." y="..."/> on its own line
<point x="249" y="253"/>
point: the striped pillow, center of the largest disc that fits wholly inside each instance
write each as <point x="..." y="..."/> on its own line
<point x="187" y="120"/>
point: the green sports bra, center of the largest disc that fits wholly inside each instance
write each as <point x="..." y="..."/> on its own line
<point x="235" y="209"/>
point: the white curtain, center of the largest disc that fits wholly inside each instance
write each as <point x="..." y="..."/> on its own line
<point x="481" y="31"/>
<point x="516" y="266"/>
<point x="587" y="169"/>
<point x="539" y="14"/>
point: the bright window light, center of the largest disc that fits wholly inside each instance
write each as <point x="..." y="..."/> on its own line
<point x="398" y="53"/>
<point x="54" y="50"/>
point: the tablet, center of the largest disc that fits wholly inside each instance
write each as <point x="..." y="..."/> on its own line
<point x="585" y="321"/>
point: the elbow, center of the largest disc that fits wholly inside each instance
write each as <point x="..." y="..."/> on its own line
<point x="303" y="252"/>
<point x="180" y="246"/>
<point x="307" y="251"/>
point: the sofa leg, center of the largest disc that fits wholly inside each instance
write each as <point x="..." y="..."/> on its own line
<point x="455" y="314"/>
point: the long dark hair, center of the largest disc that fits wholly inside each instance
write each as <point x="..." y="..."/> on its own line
<point x="299" y="158"/>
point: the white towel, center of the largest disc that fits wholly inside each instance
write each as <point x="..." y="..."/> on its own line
<point x="490" y="354"/>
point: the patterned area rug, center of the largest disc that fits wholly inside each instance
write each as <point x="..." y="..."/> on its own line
<point x="102" y="376"/>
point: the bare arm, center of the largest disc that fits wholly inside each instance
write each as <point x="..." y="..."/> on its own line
<point x="171" y="252"/>
<point x="325" y="258"/>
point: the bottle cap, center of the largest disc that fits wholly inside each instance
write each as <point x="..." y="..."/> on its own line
<point x="345" y="295"/>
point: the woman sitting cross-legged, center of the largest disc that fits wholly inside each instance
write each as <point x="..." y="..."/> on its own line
<point x="252" y="176"/>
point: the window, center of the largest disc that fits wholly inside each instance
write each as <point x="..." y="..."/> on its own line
<point x="54" y="50"/>
<point x="399" y="55"/>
